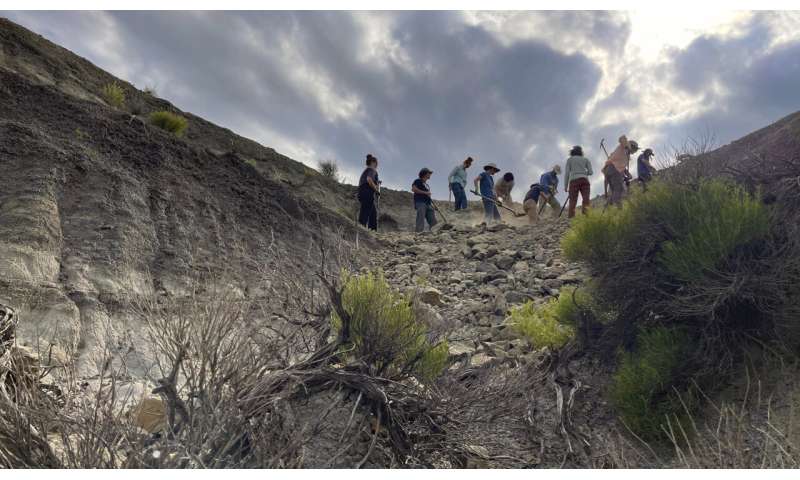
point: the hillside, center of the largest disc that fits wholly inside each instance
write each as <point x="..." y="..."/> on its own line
<point x="192" y="302"/>
<point x="99" y="205"/>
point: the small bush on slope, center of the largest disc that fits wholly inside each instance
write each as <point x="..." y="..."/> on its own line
<point x="169" y="121"/>
<point x="644" y="386"/>
<point x="329" y="169"/>
<point x="113" y="95"/>
<point x="384" y="332"/>
<point x="540" y="324"/>
<point x="699" y="258"/>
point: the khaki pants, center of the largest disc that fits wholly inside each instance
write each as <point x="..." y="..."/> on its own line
<point x="550" y="200"/>
<point x="532" y="209"/>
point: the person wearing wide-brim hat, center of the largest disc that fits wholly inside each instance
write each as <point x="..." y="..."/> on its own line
<point x="484" y="184"/>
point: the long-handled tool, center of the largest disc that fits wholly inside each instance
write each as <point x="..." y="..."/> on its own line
<point x="436" y="207"/>
<point x="562" y="207"/>
<point x="498" y="204"/>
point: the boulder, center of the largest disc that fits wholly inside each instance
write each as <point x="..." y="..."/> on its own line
<point x="520" y="267"/>
<point x="459" y="349"/>
<point x="150" y="414"/>
<point x="500" y="306"/>
<point x="431" y="296"/>
<point x="516" y="297"/>
<point x="503" y="261"/>
<point x="422" y="270"/>
<point x="486" y="267"/>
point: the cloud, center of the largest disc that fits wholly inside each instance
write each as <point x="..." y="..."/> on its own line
<point x="428" y="88"/>
<point x="743" y="81"/>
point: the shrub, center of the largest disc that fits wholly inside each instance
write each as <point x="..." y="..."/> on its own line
<point x="113" y="95"/>
<point x="329" y="169"/>
<point x="643" y="388"/>
<point x="384" y="332"/>
<point x="169" y="121"/>
<point x="684" y="250"/>
<point x="541" y="325"/>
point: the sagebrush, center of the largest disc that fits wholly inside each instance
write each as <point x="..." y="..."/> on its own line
<point x="541" y="325"/>
<point x="385" y="333"/>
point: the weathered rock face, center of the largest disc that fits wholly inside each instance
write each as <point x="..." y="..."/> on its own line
<point x="98" y="207"/>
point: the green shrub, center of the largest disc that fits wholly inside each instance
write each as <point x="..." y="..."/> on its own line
<point x="113" y="95"/>
<point x="710" y="224"/>
<point x="384" y="331"/>
<point x="169" y="121"/>
<point x="691" y="231"/>
<point x="598" y="237"/>
<point x="541" y="325"/>
<point x="643" y="389"/>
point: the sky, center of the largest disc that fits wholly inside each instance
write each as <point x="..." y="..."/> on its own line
<point x="427" y="89"/>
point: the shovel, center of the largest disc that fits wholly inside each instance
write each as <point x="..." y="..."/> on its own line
<point x="499" y="205"/>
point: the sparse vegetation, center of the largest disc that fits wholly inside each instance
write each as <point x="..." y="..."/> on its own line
<point x="329" y="169"/>
<point x="541" y="324"/>
<point x="644" y="389"/>
<point x="689" y="258"/>
<point x="384" y="331"/>
<point x="169" y="121"/>
<point x="113" y="95"/>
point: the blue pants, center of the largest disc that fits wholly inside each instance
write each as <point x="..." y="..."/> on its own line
<point x="424" y="214"/>
<point x="368" y="214"/>
<point x="459" y="195"/>
<point x="490" y="211"/>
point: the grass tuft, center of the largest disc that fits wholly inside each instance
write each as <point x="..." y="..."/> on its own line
<point x="113" y="95"/>
<point x="169" y="121"/>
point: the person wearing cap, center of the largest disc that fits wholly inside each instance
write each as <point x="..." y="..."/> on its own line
<point x="644" y="168"/>
<point x="614" y="167"/>
<point x="576" y="180"/>
<point x="457" y="181"/>
<point x="368" y="189"/>
<point x="548" y="183"/>
<point x="422" y="201"/>
<point x="503" y="187"/>
<point x="484" y="184"/>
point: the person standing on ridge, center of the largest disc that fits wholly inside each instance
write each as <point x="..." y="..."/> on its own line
<point x="484" y="184"/>
<point x="458" y="182"/>
<point x="644" y="168"/>
<point x="502" y="189"/>
<point x="615" y="166"/>
<point x="368" y="190"/>
<point x="576" y="180"/>
<point x="548" y="184"/>
<point x="422" y="201"/>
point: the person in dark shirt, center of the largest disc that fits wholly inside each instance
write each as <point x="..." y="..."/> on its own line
<point x="644" y="167"/>
<point x="484" y="184"/>
<point x="422" y="201"/>
<point x="368" y="191"/>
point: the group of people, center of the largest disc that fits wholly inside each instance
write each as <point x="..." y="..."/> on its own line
<point x="577" y="171"/>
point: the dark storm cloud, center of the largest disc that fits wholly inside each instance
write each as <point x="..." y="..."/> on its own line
<point x="448" y="90"/>
<point x="747" y="83"/>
